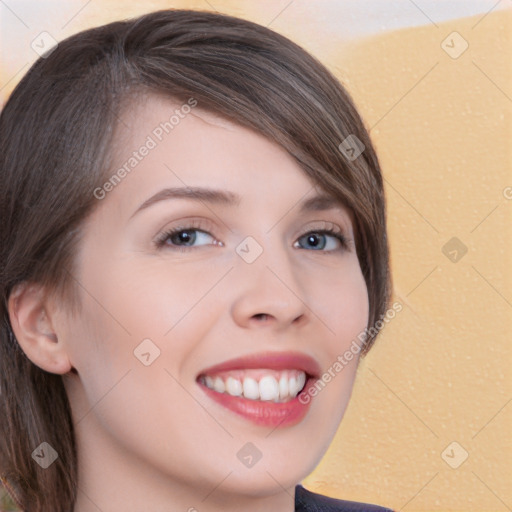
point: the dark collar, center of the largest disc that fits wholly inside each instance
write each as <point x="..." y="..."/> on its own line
<point x="307" y="501"/>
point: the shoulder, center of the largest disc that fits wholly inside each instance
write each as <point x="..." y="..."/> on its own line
<point x="307" y="501"/>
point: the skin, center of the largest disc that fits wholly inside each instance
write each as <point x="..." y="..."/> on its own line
<point x="148" y="436"/>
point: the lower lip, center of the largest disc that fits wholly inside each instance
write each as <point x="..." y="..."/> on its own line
<point x="265" y="413"/>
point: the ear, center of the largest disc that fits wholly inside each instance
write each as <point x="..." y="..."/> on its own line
<point x="33" y="320"/>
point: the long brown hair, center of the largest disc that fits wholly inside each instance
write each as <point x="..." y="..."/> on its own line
<point x="56" y="137"/>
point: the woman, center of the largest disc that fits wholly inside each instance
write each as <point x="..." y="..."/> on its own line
<point x="193" y="238"/>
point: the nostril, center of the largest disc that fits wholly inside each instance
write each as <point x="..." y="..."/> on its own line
<point x="261" y="316"/>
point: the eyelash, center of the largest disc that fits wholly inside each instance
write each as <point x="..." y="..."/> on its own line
<point x="160" y="242"/>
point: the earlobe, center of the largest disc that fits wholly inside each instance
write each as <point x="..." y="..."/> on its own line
<point x="32" y="318"/>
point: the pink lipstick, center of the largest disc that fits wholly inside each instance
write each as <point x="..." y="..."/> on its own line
<point x="264" y="388"/>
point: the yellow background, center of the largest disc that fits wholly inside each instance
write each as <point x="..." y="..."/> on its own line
<point x="440" y="372"/>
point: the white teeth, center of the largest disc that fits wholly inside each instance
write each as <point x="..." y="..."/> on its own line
<point x="292" y="386"/>
<point x="269" y="388"/>
<point x="279" y="386"/>
<point x="251" y="389"/>
<point x="218" y="385"/>
<point x="283" y="387"/>
<point x="233" y="386"/>
<point x="301" y="380"/>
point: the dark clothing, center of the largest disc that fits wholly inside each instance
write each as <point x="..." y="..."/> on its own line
<point x="307" y="501"/>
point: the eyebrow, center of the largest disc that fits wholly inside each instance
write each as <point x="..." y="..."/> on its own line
<point x="226" y="198"/>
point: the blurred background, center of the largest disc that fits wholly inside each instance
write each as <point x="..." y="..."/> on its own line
<point x="429" y="424"/>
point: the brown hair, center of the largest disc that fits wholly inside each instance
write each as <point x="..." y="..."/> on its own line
<point x="56" y="135"/>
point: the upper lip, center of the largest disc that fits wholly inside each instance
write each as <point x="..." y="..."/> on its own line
<point x="269" y="360"/>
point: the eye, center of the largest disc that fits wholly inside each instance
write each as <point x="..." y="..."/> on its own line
<point x="326" y="240"/>
<point x="184" y="238"/>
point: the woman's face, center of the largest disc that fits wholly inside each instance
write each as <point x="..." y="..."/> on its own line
<point x="247" y="273"/>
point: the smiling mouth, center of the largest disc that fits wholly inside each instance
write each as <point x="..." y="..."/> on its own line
<point x="269" y="389"/>
<point x="260" y="384"/>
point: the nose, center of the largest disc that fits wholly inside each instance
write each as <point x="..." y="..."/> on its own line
<point x="268" y="292"/>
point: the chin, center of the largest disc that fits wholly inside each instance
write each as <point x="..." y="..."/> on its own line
<point x="264" y="482"/>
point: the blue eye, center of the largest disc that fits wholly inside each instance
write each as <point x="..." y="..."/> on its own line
<point x="324" y="240"/>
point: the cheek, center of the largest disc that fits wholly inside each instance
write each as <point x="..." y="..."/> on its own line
<point x="99" y="348"/>
<point x="153" y="307"/>
<point x="153" y="297"/>
<point x="343" y="303"/>
<point x="343" y="307"/>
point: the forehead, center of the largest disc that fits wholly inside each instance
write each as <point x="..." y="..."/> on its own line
<point x="193" y="147"/>
<point x="192" y="140"/>
<point x="156" y="107"/>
